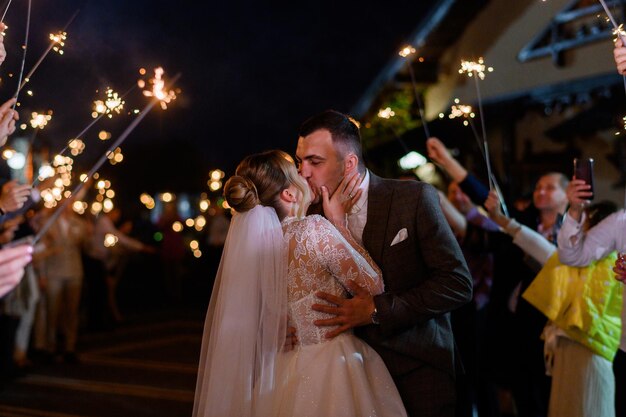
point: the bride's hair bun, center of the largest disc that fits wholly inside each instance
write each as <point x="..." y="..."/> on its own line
<point x="240" y="193"/>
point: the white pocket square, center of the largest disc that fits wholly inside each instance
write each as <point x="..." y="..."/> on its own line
<point x="401" y="236"/>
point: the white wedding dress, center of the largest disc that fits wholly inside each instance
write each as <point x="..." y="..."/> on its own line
<point x="269" y="273"/>
<point x="323" y="377"/>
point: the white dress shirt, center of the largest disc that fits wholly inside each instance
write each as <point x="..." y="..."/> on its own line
<point x="580" y="249"/>
<point x="358" y="216"/>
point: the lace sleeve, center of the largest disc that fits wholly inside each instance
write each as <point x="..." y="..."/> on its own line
<point x="346" y="260"/>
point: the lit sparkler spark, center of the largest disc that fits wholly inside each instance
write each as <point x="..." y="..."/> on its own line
<point x="93" y="171"/>
<point x="477" y="68"/>
<point x="386" y="113"/>
<point x="158" y="84"/>
<point x="112" y="104"/>
<point x="58" y="41"/>
<point x="406" y="51"/>
<point x="39" y="121"/>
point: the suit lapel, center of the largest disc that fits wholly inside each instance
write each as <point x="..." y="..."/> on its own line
<point x="378" y="205"/>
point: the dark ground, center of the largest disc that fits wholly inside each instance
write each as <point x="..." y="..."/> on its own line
<point x="145" y="366"/>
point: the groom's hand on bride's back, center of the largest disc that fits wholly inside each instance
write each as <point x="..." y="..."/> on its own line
<point x="348" y="312"/>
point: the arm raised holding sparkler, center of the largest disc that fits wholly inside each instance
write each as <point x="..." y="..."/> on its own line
<point x="530" y="241"/>
<point x="470" y="185"/>
<point x="438" y="152"/>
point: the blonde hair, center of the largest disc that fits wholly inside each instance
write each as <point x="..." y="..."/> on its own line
<point x="260" y="178"/>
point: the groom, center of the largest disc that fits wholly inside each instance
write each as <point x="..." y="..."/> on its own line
<point x="401" y="225"/>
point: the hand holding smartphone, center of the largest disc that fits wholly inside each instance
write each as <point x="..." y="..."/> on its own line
<point x="583" y="170"/>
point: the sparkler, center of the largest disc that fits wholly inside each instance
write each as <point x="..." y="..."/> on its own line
<point x="617" y="28"/>
<point x="477" y="70"/>
<point x="466" y="111"/>
<point x="470" y="68"/>
<point x="405" y="53"/>
<point x="57" y="41"/>
<point x="113" y="103"/>
<point x="25" y="47"/>
<point x="99" y="163"/>
<point x="76" y="142"/>
<point x="5" y="11"/>
<point x="158" y="89"/>
<point x="387" y="114"/>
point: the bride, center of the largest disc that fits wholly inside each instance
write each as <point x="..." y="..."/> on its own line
<point x="275" y="260"/>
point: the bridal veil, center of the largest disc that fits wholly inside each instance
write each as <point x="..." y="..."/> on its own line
<point x="246" y="322"/>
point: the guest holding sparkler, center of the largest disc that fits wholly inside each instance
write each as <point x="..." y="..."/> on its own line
<point x="13" y="260"/>
<point x="513" y="274"/>
<point x="578" y="247"/>
<point x="583" y="308"/>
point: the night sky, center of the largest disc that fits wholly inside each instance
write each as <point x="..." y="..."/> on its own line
<point x="251" y="73"/>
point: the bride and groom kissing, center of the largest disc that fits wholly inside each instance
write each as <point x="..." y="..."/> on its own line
<point x="368" y="288"/>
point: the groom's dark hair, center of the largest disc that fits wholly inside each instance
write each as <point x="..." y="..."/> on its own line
<point x="343" y="130"/>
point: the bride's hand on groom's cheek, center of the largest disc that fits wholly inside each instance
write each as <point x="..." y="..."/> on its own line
<point x="348" y="312"/>
<point x="339" y="204"/>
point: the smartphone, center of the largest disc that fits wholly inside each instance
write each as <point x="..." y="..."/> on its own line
<point x="583" y="170"/>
